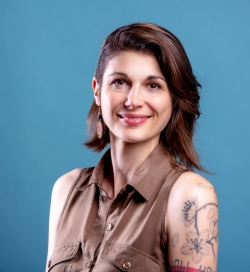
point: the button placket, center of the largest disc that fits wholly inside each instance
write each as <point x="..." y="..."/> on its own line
<point x="98" y="230"/>
<point x="110" y="226"/>
<point x="89" y="264"/>
<point x="115" y="209"/>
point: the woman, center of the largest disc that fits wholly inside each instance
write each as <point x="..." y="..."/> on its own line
<point x="142" y="208"/>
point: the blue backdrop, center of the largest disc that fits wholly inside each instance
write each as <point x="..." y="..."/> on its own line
<point x="48" y="53"/>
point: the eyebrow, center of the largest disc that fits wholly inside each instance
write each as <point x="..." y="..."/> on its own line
<point x="148" y="78"/>
<point x="156" y="77"/>
<point x="118" y="73"/>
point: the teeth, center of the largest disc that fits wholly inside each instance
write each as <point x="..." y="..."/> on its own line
<point x="130" y="118"/>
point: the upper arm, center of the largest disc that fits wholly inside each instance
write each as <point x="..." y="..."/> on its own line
<point x="59" y="195"/>
<point x="192" y="224"/>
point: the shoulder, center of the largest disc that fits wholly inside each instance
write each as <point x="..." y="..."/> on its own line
<point x="192" y="183"/>
<point x="190" y="186"/>
<point x="60" y="192"/>
<point x="63" y="185"/>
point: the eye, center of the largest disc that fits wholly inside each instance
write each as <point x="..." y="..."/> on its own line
<point x="118" y="82"/>
<point x="154" y="86"/>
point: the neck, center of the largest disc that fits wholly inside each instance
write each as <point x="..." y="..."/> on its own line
<point x="126" y="159"/>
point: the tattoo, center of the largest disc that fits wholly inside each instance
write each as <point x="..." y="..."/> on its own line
<point x="211" y="213"/>
<point x="199" y="243"/>
<point x="177" y="266"/>
<point x="206" y="269"/>
<point x="175" y="239"/>
<point x="201" y="185"/>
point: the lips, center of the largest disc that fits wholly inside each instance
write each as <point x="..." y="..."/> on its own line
<point x="133" y="119"/>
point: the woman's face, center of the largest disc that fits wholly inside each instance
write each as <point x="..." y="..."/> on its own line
<point x="135" y="100"/>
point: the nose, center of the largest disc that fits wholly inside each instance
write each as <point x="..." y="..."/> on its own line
<point x="134" y="98"/>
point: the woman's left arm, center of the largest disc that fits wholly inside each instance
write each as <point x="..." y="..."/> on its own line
<point x="192" y="225"/>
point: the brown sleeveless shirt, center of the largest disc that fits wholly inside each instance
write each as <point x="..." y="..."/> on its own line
<point x="98" y="234"/>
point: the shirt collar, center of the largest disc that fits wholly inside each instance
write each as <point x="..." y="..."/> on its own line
<point x="154" y="170"/>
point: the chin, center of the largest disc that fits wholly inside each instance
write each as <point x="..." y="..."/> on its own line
<point x="132" y="140"/>
<point x="140" y="140"/>
<point x="135" y="137"/>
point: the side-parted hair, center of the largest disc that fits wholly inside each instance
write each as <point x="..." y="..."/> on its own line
<point x="177" y="136"/>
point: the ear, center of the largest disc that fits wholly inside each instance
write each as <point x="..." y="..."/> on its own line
<point x="96" y="89"/>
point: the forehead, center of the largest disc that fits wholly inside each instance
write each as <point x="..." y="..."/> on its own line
<point x="131" y="62"/>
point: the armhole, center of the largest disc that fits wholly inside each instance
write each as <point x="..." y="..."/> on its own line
<point x="69" y="194"/>
<point x="174" y="175"/>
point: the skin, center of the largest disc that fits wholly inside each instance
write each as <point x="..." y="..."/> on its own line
<point x="136" y="106"/>
<point x="132" y="84"/>
<point x="188" y="188"/>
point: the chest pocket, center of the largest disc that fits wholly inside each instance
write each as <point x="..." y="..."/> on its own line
<point x="66" y="258"/>
<point x="118" y="257"/>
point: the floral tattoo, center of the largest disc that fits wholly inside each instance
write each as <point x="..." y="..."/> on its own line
<point x="199" y="243"/>
<point x="175" y="239"/>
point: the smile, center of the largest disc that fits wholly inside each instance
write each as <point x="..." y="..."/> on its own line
<point x="133" y="119"/>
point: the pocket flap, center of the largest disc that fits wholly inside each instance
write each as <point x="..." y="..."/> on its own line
<point x="128" y="258"/>
<point x="63" y="253"/>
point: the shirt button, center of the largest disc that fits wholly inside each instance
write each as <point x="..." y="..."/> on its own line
<point x="110" y="226"/>
<point x="89" y="264"/>
<point x="126" y="265"/>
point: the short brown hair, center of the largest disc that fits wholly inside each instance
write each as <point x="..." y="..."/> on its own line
<point x="177" y="136"/>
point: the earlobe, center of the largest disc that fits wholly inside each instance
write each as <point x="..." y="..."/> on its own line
<point x="96" y="89"/>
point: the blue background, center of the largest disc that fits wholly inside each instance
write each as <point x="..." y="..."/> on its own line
<point x="48" y="53"/>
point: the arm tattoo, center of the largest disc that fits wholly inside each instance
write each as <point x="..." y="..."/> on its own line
<point x="177" y="266"/>
<point x="175" y="239"/>
<point x="201" y="185"/>
<point x="199" y="243"/>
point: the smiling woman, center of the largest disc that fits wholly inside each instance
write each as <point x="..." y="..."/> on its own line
<point x="142" y="208"/>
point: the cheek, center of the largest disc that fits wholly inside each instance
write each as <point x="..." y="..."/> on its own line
<point x="169" y="105"/>
<point x="162" y="105"/>
<point x="109" y="104"/>
<point x="165" y="110"/>
<point x="112" y="100"/>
